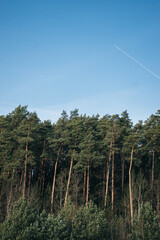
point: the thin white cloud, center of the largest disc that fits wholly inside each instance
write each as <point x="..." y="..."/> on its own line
<point x="45" y="113"/>
<point x="111" y="102"/>
<point x="136" y="61"/>
<point x="97" y="104"/>
<point x="7" y="103"/>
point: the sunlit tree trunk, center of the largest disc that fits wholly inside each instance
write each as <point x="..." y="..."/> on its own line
<point x="29" y="183"/>
<point x="68" y="183"/>
<point x="87" y="192"/>
<point x="43" y="168"/>
<point x="130" y="187"/>
<point x="107" y="177"/>
<point x="9" y="199"/>
<point x="43" y="175"/>
<point x="54" y="179"/>
<point x="158" y="196"/>
<point x="16" y="188"/>
<point x="25" y="167"/>
<point x="104" y="181"/>
<point x="61" y="190"/>
<point x="84" y="186"/>
<point x="112" y="181"/>
<point x="123" y="164"/>
<point x="25" y="176"/>
<point x="153" y="157"/>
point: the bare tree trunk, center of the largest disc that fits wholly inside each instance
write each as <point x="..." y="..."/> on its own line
<point x="104" y="177"/>
<point x="40" y="177"/>
<point x="84" y="186"/>
<point x="112" y="181"/>
<point x="158" y="195"/>
<point x="76" y="194"/>
<point x="61" y="190"/>
<point x="87" y="192"/>
<point x="10" y="193"/>
<point x="152" y="185"/>
<point x="130" y="187"/>
<point x="24" y="179"/>
<point x="21" y="180"/>
<point x="123" y="164"/>
<point x="43" y="175"/>
<point x="16" y="188"/>
<point x="25" y="167"/>
<point x="29" y="183"/>
<point x="43" y="168"/>
<point x="54" y="179"/>
<point x="107" y="178"/>
<point x="68" y="183"/>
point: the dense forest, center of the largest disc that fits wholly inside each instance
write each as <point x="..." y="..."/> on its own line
<point x="83" y="177"/>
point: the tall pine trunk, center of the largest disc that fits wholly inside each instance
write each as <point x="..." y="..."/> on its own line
<point x="43" y="168"/>
<point x="158" y="195"/>
<point x="104" y="181"/>
<point x="107" y="176"/>
<point x="54" y="179"/>
<point x="112" y="181"/>
<point x="68" y="183"/>
<point x="21" y="181"/>
<point x="25" y="176"/>
<point x="130" y="187"/>
<point x="87" y="192"/>
<point x="10" y="193"/>
<point x="25" y="165"/>
<point x="152" y="184"/>
<point x="43" y="175"/>
<point x="123" y="164"/>
<point x="84" y="186"/>
<point x="29" y="183"/>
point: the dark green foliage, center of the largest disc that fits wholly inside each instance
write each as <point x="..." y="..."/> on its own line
<point x="63" y="223"/>
<point x="40" y="229"/>
<point x="146" y="224"/>
<point x="24" y="223"/>
<point x="89" y="223"/>
<point x="32" y="153"/>
<point x="19" y="218"/>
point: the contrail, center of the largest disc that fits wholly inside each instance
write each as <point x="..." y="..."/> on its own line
<point x="140" y="64"/>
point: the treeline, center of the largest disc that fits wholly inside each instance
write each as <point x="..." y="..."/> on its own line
<point x="107" y="160"/>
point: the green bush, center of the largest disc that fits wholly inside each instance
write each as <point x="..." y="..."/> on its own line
<point x="19" y="218"/>
<point x="89" y="223"/>
<point x="146" y="224"/>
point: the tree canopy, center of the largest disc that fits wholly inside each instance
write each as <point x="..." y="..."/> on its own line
<point x="83" y="177"/>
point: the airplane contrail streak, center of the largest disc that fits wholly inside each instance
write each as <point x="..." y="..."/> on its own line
<point x="133" y="59"/>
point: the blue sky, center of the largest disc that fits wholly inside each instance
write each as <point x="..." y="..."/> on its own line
<point x="57" y="55"/>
